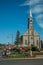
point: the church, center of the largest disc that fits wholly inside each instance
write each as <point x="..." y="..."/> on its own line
<point x="31" y="37"/>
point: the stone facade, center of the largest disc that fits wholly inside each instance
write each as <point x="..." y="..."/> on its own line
<point x="36" y="39"/>
<point x="31" y="36"/>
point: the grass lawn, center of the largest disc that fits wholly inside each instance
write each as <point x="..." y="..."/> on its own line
<point x="23" y="55"/>
<point x="37" y="53"/>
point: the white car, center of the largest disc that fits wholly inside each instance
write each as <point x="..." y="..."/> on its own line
<point x="8" y="52"/>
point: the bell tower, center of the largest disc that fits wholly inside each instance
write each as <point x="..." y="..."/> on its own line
<point x="30" y="30"/>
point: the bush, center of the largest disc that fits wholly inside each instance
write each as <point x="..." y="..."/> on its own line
<point x="16" y="55"/>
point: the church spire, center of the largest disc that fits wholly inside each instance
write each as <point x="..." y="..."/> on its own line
<point x="30" y="13"/>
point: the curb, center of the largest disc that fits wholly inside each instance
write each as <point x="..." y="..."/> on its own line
<point x="22" y="58"/>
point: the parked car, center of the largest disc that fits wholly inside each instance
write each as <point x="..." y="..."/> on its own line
<point x="8" y="52"/>
<point x="4" y="53"/>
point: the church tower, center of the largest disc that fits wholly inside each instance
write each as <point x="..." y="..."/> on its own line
<point x="30" y="30"/>
<point x="31" y="36"/>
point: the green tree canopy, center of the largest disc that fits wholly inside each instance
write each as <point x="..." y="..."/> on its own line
<point x="17" y="41"/>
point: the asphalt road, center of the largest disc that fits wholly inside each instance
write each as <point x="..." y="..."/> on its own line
<point x="20" y="62"/>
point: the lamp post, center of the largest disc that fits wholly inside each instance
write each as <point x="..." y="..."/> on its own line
<point x="30" y="50"/>
<point x="29" y="37"/>
<point x="12" y="38"/>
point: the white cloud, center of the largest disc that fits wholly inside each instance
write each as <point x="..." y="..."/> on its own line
<point x="30" y="2"/>
<point x="40" y="16"/>
<point x="37" y="9"/>
<point x="39" y="19"/>
<point x="25" y="3"/>
<point x="41" y="25"/>
<point x="33" y="2"/>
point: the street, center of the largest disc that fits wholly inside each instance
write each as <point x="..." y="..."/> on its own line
<point x="21" y="62"/>
<point x="4" y="61"/>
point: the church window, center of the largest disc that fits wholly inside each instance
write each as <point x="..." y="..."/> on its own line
<point x="25" y="42"/>
<point x="30" y="20"/>
<point x="37" y="42"/>
<point x="32" y="37"/>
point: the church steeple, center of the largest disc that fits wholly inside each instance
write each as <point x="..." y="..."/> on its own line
<point x="30" y="20"/>
<point x="31" y="29"/>
<point x="30" y="13"/>
<point x="30" y="16"/>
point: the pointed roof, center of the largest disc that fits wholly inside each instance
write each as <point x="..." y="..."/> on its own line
<point x="30" y="13"/>
<point x="35" y="33"/>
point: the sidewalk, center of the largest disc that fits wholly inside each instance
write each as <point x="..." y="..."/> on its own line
<point x="37" y="57"/>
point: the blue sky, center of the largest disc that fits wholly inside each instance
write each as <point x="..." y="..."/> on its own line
<point x="14" y="16"/>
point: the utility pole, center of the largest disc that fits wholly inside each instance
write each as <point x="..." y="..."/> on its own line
<point x="12" y="38"/>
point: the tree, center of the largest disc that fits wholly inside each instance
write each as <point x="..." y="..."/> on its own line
<point x="17" y="42"/>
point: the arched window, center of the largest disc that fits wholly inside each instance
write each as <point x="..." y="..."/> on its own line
<point x="25" y="42"/>
<point x="37" y="42"/>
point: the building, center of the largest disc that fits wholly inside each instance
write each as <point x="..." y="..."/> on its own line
<point x="8" y="46"/>
<point x="31" y="37"/>
<point x="41" y="44"/>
